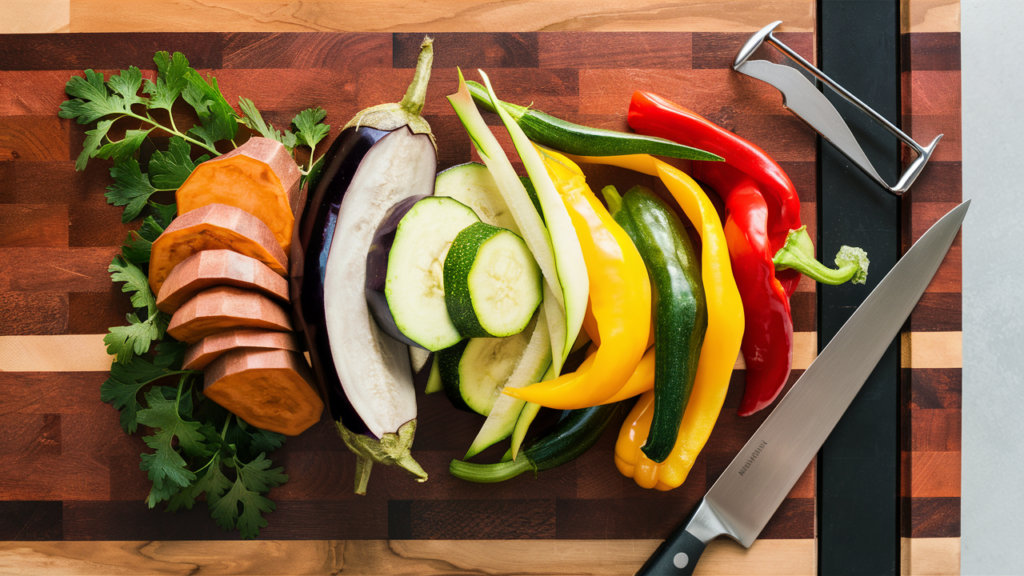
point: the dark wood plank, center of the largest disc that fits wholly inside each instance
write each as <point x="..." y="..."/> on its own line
<point x="933" y="430"/>
<point x="34" y="225"/>
<point x="930" y="51"/>
<point x="32" y="92"/>
<point x="341" y="53"/>
<point x="31" y="313"/>
<point x="55" y="269"/>
<point x="479" y="519"/>
<point x="670" y="50"/>
<point x="31" y="521"/>
<point x="940" y="182"/>
<point x="719" y="49"/>
<point x="933" y="518"/>
<point x="104" y="51"/>
<point x="469" y="50"/>
<point x="95" y="312"/>
<point x="931" y="388"/>
<point x="937" y="312"/>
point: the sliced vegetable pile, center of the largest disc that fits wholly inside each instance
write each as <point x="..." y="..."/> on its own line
<point x="215" y="277"/>
<point x="476" y="281"/>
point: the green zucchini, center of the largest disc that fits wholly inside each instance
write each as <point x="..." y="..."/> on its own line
<point x="434" y="378"/>
<point x="574" y="434"/>
<point x="583" y="140"/>
<point x="680" y="307"/>
<point x="492" y="283"/>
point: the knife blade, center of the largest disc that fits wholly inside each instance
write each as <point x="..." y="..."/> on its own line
<point x="751" y="488"/>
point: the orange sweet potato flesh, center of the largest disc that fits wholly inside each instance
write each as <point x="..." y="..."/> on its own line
<point x="259" y="177"/>
<point x="269" y="389"/>
<point x="200" y="354"/>
<point x="214" y="227"/>
<point x="211" y="268"/>
<point x="226" y="308"/>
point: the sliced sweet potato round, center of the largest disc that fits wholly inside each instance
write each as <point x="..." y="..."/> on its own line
<point x="214" y="227"/>
<point x="259" y="177"/>
<point x="270" y="389"/>
<point x="200" y="354"/>
<point x="218" y="268"/>
<point x="226" y="308"/>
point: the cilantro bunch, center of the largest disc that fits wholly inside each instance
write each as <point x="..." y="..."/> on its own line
<point x="198" y="447"/>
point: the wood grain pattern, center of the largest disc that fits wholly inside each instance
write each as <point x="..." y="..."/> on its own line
<point x="930" y="556"/>
<point x="443" y="16"/>
<point x="376" y="557"/>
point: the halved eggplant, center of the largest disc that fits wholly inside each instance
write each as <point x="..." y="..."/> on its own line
<point x="384" y="155"/>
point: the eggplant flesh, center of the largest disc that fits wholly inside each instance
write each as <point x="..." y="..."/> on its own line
<point x="365" y="374"/>
<point x="377" y="269"/>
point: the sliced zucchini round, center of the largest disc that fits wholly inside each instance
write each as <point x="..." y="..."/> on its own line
<point x="475" y="371"/>
<point x="493" y="283"/>
<point x="414" y="285"/>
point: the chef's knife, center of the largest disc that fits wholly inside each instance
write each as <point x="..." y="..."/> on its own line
<point x="747" y="494"/>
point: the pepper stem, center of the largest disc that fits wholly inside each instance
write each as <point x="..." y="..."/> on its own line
<point x="612" y="198"/>
<point x="489" y="473"/>
<point x="798" y="254"/>
<point x="416" y="95"/>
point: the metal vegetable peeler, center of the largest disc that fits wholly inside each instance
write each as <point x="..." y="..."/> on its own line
<point x="802" y="98"/>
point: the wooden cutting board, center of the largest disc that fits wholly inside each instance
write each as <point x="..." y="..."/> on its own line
<point x="72" y="474"/>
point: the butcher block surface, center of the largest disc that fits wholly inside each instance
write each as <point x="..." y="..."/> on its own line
<point x="72" y="475"/>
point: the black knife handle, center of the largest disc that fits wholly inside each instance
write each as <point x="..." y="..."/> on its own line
<point x="677" y="555"/>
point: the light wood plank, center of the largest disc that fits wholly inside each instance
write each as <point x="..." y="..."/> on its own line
<point x="932" y="350"/>
<point x="930" y="16"/>
<point x="366" y="557"/>
<point x="59" y="353"/>
<point x="930" y="556"/>
<point x="35" y="16"/>
<point x="436" y="16"/>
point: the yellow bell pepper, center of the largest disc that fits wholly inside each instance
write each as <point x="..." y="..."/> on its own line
<point x="717" y="355"/>
<point x="620" y="298"/>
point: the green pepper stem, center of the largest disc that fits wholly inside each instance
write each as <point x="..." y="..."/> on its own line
<point x="612" y="198"/>
<point x="416" y="95"/>
<point x="489" y="473"/>
<point x="798" y="254"/>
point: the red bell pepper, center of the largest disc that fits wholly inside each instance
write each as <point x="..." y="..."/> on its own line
<point x="768" y="246"/>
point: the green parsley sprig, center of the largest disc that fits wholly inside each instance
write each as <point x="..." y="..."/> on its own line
<point x="198" y="448"/>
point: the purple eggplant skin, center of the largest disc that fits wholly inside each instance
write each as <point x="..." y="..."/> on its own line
<point x="315" y="235"/>
<point x="377" y="269"/>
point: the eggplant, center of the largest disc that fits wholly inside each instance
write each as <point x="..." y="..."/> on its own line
<point x="383" y="155"/>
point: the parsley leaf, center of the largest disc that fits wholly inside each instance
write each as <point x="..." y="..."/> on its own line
<point x="120" y="150"/>
<point x="131" y="188"/>
<point x="122" y="388"/>
<point x="167" y="469"/>
<point x="139" y="243"/>
<point x="170" y="80"/>
<point x="253" y="480"/>
<point x="308" y="127"/>
<point x="218" y="118"/>
<point x="252" y="118"/>
<point x="164" y="213"/>
<point x="127" y="84"/>
<point x="125" y="341"/>
<point x="93" y="141"/>
<point x="92" y="99"/>
<point x="169" y="170"/>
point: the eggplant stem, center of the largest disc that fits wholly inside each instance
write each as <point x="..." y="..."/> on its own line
<point x="416" y="95"/>
<point x="363" y="468"/>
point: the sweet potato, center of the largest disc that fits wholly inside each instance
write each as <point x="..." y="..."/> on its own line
<point x="218" y="268"/>
<point x="226" y="308"/>
<point x="259" y="177"/>
<point x="214" y="227"/>
<point x="269" y="389"/>
<point x="200" y="354"/>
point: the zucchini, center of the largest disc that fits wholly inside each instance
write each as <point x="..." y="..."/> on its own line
<point x="527" y="217"/>
<point x="492" y="283"/>
<point x="506" y="412"/>
<point x="414" y="285"/>
<point x="434" y="379"/>
<point x="573" y="435"/>
<point x="570" y="266"/>
<point x="472" y="184"/>
<point x="474" y="371"/>
<point x="680" y="307"/>
<point x="583" y="140"/>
